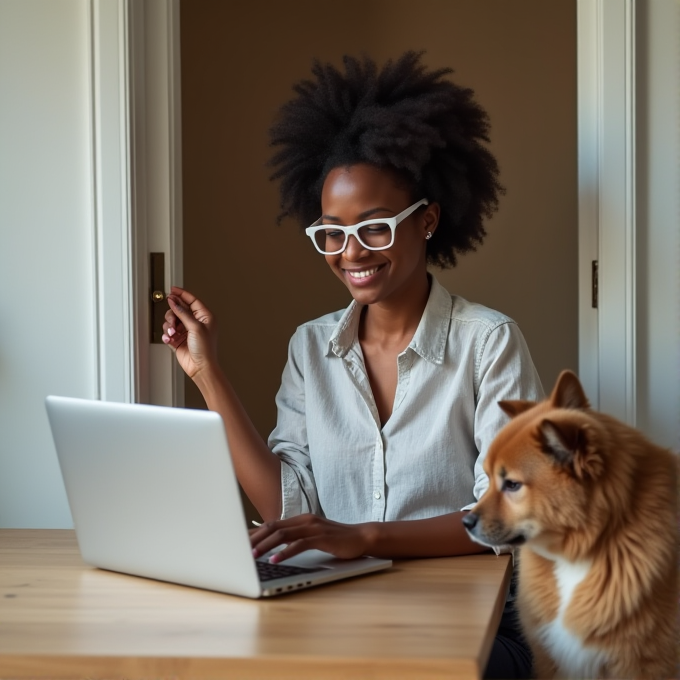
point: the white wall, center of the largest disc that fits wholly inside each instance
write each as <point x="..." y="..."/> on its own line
<point x="47" y="304"/>
<point x="658" y="220"/>
<point x="68" y="264"/>
<point x="629" y="211"/>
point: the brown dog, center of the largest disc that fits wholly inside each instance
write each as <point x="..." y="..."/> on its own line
<point x="594" y="506"/>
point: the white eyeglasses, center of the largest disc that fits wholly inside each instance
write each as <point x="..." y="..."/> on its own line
<point x="331" y="239"/>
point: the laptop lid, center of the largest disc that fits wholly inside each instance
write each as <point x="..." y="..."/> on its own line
<point x="152" y="492"/>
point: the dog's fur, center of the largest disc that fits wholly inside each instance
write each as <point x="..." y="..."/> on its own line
<point x="594" y="506"/>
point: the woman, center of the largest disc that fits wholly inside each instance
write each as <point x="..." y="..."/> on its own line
<point x="385" y="410"/>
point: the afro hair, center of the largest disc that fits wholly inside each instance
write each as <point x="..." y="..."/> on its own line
<point x="404" y="118"/>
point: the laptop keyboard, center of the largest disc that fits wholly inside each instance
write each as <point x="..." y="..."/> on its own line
<point x="268" y="572"/>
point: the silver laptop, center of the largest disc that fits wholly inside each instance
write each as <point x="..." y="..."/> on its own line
<point x="153" y="493"/>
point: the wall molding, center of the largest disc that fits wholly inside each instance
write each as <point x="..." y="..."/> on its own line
<point x="111" y="219"/>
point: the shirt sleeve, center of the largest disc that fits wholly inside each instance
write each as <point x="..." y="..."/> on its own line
<point x="504" y="370"/>
<point x="289" y="438"/>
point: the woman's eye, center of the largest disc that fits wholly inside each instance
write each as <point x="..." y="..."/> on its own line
<point x="511" y="485"/>
<point x="377" y="228"/>
<point x="334" y="233"/>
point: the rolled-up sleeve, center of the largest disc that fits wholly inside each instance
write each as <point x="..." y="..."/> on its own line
<point x="503" y="370"/>
<point x="289" y="438"/>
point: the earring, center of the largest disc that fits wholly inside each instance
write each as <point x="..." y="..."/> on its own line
<point x="428" y="236"/>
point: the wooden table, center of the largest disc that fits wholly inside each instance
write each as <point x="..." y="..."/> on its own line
<point x="60" y="618"/>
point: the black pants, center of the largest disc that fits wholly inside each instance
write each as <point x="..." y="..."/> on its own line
<point x="510" y="655"/>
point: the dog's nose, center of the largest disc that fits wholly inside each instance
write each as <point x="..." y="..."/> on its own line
<point x="470" y="520"/>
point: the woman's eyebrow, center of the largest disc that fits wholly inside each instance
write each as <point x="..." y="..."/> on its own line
<point x="364" y="215"/>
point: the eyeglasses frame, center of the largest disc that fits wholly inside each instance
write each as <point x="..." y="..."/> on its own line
<point x="353" y="230"/>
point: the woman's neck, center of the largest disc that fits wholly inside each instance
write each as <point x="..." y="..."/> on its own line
<point x="393" y="322"/>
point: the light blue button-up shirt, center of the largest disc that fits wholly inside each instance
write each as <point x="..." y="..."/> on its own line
<point x="337" y="460"/>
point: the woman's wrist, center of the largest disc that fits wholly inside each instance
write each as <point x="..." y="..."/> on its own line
<point x="210" y="380"/>
<point x="370" y="532"/>
<point x="441" y="536"/>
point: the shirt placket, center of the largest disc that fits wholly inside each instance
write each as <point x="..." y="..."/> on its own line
<point x="357" y="370"/>
<point x="378" y="501"/>
<point x="379" y="505"/>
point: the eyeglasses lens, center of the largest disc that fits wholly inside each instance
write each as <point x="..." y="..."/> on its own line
<point x="371" y="236"/>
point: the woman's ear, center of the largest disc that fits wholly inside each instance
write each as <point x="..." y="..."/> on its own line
<point x="431" y="218"/>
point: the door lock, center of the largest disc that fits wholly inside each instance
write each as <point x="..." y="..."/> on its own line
<point x="159" y="304"/>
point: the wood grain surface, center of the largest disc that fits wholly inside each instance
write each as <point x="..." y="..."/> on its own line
<point x="59" y="618"/>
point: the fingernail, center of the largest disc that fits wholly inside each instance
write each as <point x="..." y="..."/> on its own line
<point x="274" y="559"/>
<point x="256" y="552"/>
<point x="171" y="332"/>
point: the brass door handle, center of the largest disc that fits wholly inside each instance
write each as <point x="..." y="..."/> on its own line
<point x="159" y="304"/>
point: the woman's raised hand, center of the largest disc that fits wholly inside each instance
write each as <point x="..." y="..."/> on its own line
<point x="191" y="330"/>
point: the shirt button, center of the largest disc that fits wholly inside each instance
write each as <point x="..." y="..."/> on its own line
<point x="377" y="495"/>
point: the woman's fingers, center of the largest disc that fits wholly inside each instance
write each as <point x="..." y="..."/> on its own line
<point x="187" y="305"/>
<point x="182" y="312"/>
<point x="297" y="547"/>
<point x="191" y="331"/>
<point x="305" y="532"/>
<point x="174" y="332"/>
<point x="172" y="325"/>
<point x="174" y="338"/>
<point x="265" y="538"/>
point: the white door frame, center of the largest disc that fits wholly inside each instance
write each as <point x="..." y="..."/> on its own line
<point x="112" y="282"/>
<point x="606" y="188"/>
<point x="137" y="159"/>
<point x="156" y="157"/>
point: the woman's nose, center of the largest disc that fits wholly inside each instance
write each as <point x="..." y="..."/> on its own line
<point x="353" y="250"/>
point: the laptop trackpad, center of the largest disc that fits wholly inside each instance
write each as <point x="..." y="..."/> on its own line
<point x="317" y="559"/>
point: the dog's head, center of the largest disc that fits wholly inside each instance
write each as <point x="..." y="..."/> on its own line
<point x="542" y="466"/>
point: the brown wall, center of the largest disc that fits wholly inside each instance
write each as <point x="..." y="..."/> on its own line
<point x="239" y="61"/>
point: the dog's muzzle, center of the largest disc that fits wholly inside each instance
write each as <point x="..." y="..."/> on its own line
<point x="494" y="536"/>
<point x="470" y="520"/>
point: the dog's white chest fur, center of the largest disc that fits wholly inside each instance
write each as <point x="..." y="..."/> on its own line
<point x="573" y="659"/>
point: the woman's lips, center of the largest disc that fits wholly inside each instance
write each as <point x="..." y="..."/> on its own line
<point x="364" y="276"/>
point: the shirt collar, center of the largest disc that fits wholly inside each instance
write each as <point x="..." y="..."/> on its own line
<point x="429" y="340"/>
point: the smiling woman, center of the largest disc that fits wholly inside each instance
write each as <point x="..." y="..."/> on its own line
<point x="393" y="269"/>
<point x="386" y="409"/>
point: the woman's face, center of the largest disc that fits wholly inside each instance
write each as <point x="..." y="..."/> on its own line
<point x="362" y="192"/>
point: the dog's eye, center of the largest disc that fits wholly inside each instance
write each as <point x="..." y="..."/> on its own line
<point x="510" y="485"/>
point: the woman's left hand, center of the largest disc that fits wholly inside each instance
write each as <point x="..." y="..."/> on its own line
<point x="305" y="532"/>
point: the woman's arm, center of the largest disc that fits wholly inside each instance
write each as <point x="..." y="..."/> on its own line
<point x="258" y="470"/>
<point x="434" y="537"/>
<point x="190" y="330"/>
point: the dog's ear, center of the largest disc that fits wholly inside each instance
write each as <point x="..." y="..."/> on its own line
<point x="570" y="444"/>
<point x="513" y="407"/>
<point x="568" y="392"/>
